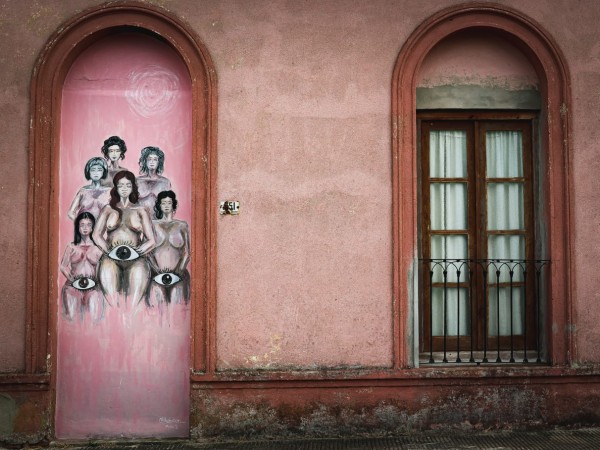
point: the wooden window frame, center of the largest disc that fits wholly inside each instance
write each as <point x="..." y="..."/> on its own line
<point x="554" y="144"/>
<point x="476" y="124"/>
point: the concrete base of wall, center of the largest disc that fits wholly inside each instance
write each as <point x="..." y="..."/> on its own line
<point x="432" y="400"/>
<point x="25" y="413"/>
<point x="392" y="406"/>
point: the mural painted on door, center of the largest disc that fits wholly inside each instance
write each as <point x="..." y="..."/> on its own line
<point x="124" y="210"/>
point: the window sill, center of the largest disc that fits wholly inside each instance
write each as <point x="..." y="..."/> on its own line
<point x="452" y="374"/>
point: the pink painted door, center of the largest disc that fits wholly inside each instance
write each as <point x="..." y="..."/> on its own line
<point x="124" y="209"/>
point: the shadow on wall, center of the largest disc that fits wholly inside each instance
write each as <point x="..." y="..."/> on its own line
<point x="8" y="412"/>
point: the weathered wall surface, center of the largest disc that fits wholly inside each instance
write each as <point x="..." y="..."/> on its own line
<point x="304" y="272"/>
<point x="383" y="408"/>
<point x="476" y="58"/>
<point x="24" y="416"/>
<point x="476" y="70"/>
<point x="304" y="145"/>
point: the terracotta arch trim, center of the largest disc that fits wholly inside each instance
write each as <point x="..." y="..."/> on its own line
<point x="553" y="74"/>
<point x="44" y="147"/>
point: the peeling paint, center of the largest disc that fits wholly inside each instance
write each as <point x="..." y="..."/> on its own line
<point x="269" y="358"/>
<point x="563" y="109"/>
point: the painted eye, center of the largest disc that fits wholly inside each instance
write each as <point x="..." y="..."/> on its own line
<point x="123" y="253"/>
<point x="166" y="279"/>
<point x="83" y="283"/>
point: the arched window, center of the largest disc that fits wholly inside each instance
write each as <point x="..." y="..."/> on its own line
<point x="477" y="170"/>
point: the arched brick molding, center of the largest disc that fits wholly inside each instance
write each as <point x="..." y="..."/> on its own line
<point x="46" y="88"/>
<point x="553" y="74"/>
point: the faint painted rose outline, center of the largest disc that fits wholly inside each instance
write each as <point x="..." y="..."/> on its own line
<point x="152" y="90"/>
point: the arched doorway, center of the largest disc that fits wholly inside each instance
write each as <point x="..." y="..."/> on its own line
<point x="58" y="157"/>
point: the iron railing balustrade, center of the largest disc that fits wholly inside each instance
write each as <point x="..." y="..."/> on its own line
<point x="478" y="291"/>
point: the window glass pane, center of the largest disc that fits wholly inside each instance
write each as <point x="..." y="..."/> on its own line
<point x="499" y="300"/>
<point x="447" y="154"/>
<point x="505" y="206"/>
<point x="457" y="312"/>
<point x="504" y="155"/>
<point x="505" y="248"/>
<point x="449" y="247"/>
<point x="448" y="206"/>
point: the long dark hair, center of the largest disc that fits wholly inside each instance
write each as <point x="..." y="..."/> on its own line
<point x="78" y="219"/>
<point x="114" y="193"/>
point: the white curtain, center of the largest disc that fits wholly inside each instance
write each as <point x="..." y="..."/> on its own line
<point x="505" y="212"/>
<point x="448" y="212"/>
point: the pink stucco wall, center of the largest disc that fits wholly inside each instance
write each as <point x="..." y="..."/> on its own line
<point x="304" y="145"/>
<point x="474" y="58"/>
<point x="304" y="272"/>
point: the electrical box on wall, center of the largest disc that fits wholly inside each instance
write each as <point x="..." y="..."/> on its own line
<point x="229" y="207"/>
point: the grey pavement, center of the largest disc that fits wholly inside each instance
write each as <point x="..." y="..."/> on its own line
<point x="560" y="439"/>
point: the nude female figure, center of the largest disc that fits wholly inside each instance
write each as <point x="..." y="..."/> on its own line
<point x="93" y="197"/>
<point x="124" y="233"/>
<point x="114" y="149"/>
<point x="169" y="260"/>
<point x="81" y="293"/>
<point x="151" y="182"/>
